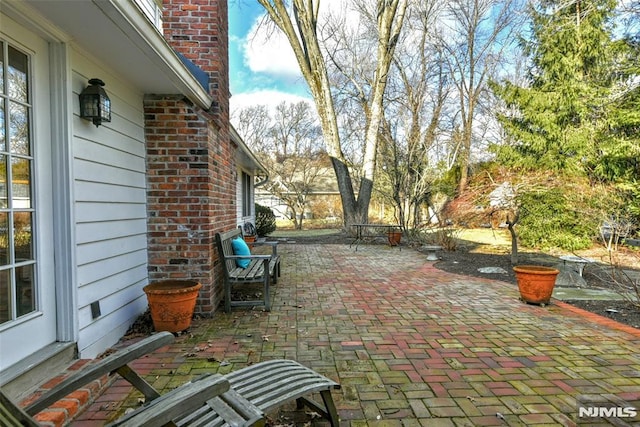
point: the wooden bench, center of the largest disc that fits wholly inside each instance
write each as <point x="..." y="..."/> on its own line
<point x="239" y="398"/>
<point x="262" y="269"/>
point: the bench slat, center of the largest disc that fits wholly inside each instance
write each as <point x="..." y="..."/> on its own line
<point x="262" y="387"/>
<point x="269" y="384"/>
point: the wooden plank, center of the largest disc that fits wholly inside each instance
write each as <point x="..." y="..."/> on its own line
<point x="252" y="414"/>
<point x="105" y="366"/>
<point x="138" y="382"/>
<point x="180" y="401"/>
<point x="226" y="412"/>
<point x="11" y="415"/>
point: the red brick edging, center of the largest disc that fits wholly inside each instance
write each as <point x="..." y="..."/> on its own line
<point x="65" y="410"/>
<point x="597" y="318"/>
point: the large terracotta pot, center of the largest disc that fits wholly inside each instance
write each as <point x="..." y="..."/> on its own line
<point x="172" y="303"/>
<point x="535" y="283"/>
<point x="394" y="237"/>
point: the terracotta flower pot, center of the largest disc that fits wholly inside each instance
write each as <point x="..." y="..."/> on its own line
<point x="172" y="303"/>
<point x="535" y="283"/>
<point x="250" y="240"/>
<point x="394" y="237"/>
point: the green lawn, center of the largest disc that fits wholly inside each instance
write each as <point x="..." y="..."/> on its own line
<point x="289" y="233"/>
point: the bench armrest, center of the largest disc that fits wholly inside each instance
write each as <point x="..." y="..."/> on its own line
<point x="274" y="247"/>
<point x="248" y="257"/>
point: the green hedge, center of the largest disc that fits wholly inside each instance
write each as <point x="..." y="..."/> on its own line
<point x="549" y="220"/>
<point x="265" y="220"/>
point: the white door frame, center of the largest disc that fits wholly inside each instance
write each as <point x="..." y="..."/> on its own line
<point x="62" y="270"/>
<point x="63" y="211"/>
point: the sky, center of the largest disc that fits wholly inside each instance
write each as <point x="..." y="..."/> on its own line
<point x="262" y="68"/>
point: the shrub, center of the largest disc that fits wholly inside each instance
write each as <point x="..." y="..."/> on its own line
<point x="265" y="220"/>
<point x="550" y="220"/>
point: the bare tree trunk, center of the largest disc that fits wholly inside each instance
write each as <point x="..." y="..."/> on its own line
<point x="303" y="38"/>
<point x="472" y="59"/>
<point x="464" y="161"/>
<point x="355" y="210"/>
<point x="514" y="238"/>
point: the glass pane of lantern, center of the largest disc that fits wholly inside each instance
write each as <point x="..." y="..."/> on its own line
<point x="106" y="109"/>
<point x="90" y="106"/>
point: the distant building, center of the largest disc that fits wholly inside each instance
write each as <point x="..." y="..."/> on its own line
<point x="323" y="199"/>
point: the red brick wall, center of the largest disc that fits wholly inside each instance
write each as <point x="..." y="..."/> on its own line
<point x="191" y="188"/>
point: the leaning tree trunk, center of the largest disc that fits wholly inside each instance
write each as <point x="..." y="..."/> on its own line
<point x="355" y="211"/>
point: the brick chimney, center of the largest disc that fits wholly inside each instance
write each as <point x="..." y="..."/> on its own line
<point x="198" y="29"/>
<point x="191" y="186"/>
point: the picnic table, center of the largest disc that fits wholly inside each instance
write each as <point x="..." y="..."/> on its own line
<point x="361" y="235"/>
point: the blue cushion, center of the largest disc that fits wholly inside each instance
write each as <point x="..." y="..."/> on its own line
<point x="240" y="248"/>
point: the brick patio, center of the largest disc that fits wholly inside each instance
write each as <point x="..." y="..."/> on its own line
<point x="410" y="344"/>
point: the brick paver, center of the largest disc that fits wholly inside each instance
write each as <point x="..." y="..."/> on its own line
<point x="410" y="344"/>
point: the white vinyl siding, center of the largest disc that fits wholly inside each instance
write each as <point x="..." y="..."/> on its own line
<point x="244" y="198"/>
<point x="110" y="211"/>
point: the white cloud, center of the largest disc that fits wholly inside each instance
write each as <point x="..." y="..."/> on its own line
<point x="269" y="52"/>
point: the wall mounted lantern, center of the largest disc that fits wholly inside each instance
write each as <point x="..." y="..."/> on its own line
<point x="95" y="105"/>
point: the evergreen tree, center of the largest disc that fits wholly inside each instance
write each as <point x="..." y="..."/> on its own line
<point x="555" y="121"/>
<point x="578" y="114"/>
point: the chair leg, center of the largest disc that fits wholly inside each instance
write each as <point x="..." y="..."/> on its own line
<point x="227" y="297"/>
<point x="331" y="408"/>
<point x="267" y="297"/>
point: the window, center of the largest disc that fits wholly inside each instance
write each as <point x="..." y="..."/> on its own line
<point x="246" y="194"/>
<point x="17" y="254"/>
